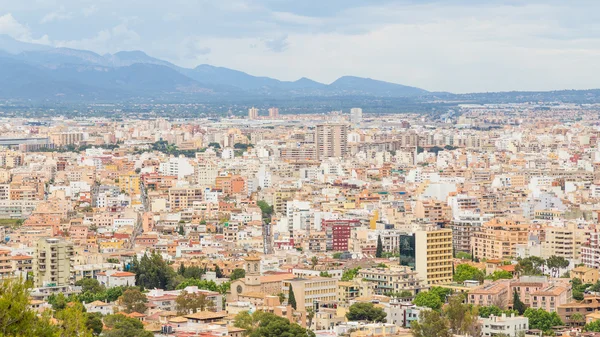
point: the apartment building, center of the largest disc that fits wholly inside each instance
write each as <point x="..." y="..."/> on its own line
<point x="590" y="250"/>
<point x="589" y="305"/>
<point x="433" y="211"/>
<point x="512" y="326"/>
<point x="181" y="198"/>
<point x="130" y="183"/>
<point x="495" y="293"/>
<point x="498" y="237"/>
<point x="52" y="264"/>
<point x="429" y="252"/>
<point x="331" y="140"/>
<point x="393" y="280"/>
<point x="307" y="291"/>
<point x="563" y="241"/>
<point x="6" y="268"/>
<point x="463" y="227"/>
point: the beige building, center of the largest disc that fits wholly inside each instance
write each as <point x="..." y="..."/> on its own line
<point x="393" y="280"/>
<point x="498" y="238"/>
<point x="52" y="262"/>
<point x="585" y="274"/>
<point x="433" y="256"/>
<point x="66" y="138"/>
<point x="307" y="291"/>
<point x="563" y="241"/>
<point x="331" y="140"/>
<point x="255" y="284"/>
<point x="184" y="197"/>
<point x="6" y="269"/>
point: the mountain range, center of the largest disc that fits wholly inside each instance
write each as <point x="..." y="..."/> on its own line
<point x="32" y="71"/>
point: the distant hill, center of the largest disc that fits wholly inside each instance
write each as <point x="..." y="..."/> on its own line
<point x="39" y="72"/>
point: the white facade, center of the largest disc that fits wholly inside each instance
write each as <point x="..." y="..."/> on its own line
<point x="511" y="326"/>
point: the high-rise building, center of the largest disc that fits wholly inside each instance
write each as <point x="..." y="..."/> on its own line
<point x="331" y="140"/>
<point x="433" y="259"/>
<point x="273" y="112"/>
<point x="52" y="264"/>
<point x="252" y="113"/>
<point x="356" y="115"/>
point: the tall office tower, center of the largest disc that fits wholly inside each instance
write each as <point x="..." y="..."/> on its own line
<point x="356" y="115"/>
<point x="331" y="140"/>
<point x="273" y="112"/>
<point x="52" y="263"/>
<point x="252" y="113"/>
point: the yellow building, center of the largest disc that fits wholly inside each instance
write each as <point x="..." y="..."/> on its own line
<point x="52" y="262"/>
<point x="563" y="241"/>
<point x="433" y="256"/>
<point x="130" y="183"/>
<point x="585" y="274"/>
<point x="347" y="291"/>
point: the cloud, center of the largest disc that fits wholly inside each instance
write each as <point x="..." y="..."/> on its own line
<point x="59" y="15"/>
<point x="278" y="44"/>
<point x="13" y="28"/>
<point x="119" y="37"/>
<point x="88" y="11"/>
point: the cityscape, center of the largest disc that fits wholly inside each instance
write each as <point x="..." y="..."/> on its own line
<point x="144" y="196"/>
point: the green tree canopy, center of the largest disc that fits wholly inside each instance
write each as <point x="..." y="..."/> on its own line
<point x="152" y="272"/>
<point x="133" y="300"/>
<point x="428" y="299"/>
<point x="466" y="272"/>
<point x="499" y="275"/>
<point x="292" y="297"/>
<point x="542" y="320"/>
<point x="121" y="326"/>
<point x="379" y="250"/>
<point x="237" y="273"/>
<point x="365" y="311"/>
<point x="431" y="323"/>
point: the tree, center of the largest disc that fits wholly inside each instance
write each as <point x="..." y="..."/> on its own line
<point x="281" y="297"/>
<point x="490" y="310"/>
<point x="219" y="272"/>
<point x="431" y="323"/>
<point x="350" y="274"/>
<point x="270" y="325"/>
<point x="555" y="263"/>
<point x="325" y="274"/>
<point x="181" y="230"/>
<point x="542" y="320"/>
<point x="121" y="326"/>
<point x="532" y="265"/>
<point x="310" y="315"/>
<point x="291" y="297"/>
<point x="592" y="327"/>
<point x="73" y="321"/>
<point x="201" y="284"/>
<point x="16" y="316"/>
<point x="379" y="250"/>
<point x="365" y="311"/>
<point x="499" y="275"/>
<point x="192" y="302"/>
<point x="462" y="318"/>
<point x="441" y="292"/>
<point x="94" y="323"/>
<point x="57" y="301"/>
<point x="518" y="305"/>
<point x="265" y="208"/>
<point x="578" y="318"/>
<point x="133" y="300"/>
<point x="90" y="284"/>
<point x="428" y="299"/>
<point x="181" y="270"/>
<point x="152" y="272"/>
<point x="466" y="272"/>
<point x="314" y="261"/>
<point x="237" y="273"/>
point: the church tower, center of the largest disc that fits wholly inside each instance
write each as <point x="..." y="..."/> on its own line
<point x="252" y="271"/>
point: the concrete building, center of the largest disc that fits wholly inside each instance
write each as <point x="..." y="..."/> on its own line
<point x="52" y="264"/>
<point x="307" y="291"/>
<point x="356" y="115"/>
<point x="273" y="112"/>
<point x="429" y="252"/>
<point x="331" y="140"/>
<point x="498" y="238"/>
<point x="252" y="113"/>
<point x="392" y="280"/>
<point x="563" y="241"/>
<point x="512" y="325"/>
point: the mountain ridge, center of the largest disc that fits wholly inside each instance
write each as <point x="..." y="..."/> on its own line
<point x="119" y="74"/>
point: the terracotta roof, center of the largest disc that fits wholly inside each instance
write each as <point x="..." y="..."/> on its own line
<point x="122" y="274"/>
<point x="21" y="257"/>
<point x="276" y="278"/>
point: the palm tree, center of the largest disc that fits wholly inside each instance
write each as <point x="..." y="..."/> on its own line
<point x="314" y="261"/>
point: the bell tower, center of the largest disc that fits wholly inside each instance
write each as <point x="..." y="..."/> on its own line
<point x="252" y="265"/>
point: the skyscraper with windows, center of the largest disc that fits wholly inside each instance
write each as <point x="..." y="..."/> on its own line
<point x="356" y="115"/>
<point x="252" y="113"/>
<point x="273" y="112"/>
<point x="331" y="140"/>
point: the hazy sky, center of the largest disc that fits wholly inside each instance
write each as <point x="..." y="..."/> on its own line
<point x="458" y="46"/>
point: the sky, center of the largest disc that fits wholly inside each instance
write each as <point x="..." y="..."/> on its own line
<point x="451" y="45"/>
